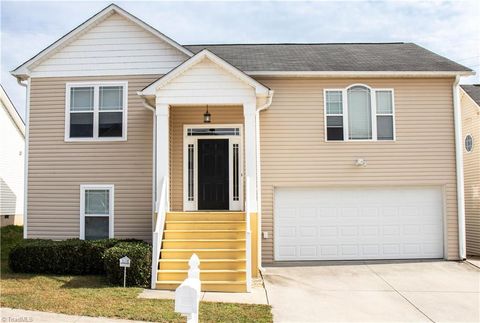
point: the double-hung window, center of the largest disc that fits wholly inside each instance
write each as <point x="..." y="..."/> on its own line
<point x="334" y="113"/>
<point x="96" y="211"/>
<point x="384" y="108"/>
<point x="359" y="113"/>
<point x="96" y="111"/>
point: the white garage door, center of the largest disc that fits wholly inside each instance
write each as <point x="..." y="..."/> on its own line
<point x="348" y="224"/>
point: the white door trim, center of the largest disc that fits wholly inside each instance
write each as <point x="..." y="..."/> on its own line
<point x="189" y="141"/>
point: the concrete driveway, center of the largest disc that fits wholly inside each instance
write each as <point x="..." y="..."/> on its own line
<point x="426" y="291"/>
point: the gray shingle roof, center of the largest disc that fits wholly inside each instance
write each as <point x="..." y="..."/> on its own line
<point x="473" y="91"/>
<point x="397" y="57"/>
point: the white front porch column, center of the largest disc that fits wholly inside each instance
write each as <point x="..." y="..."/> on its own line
<point x="249" y="111"/>
<point x="162" y="153"/>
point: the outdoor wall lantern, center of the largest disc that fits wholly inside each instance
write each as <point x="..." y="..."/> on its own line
<point x="207" y="117"/>
<point x="361" y="162"/>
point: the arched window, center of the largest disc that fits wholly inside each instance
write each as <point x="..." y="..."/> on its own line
<point x="359" y="112"/>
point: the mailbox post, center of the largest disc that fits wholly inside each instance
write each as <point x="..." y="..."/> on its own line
<point x="187" y="295"/>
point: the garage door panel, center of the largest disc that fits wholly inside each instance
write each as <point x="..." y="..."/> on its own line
<point x="342" y="224"/>
<point x="358" y="252"/>
<point x="328" y="231"/>
<point x="287" y="232"/>
<point x="287" y="252"/>
<point x="328" y="250"/>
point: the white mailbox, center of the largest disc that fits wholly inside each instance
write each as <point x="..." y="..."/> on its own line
<point x="187" y="295"/>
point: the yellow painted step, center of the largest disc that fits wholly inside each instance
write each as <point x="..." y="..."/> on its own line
<point x="205" y="264"/>
<point x="205" y="275"/>
<point x="217" y="286"/>
<point x="203" y="244"/>
<point x="203" y="253"/>
<point x="205" y="225"/>
<point x="204" y="234"/>
<point x="206" y="216"/>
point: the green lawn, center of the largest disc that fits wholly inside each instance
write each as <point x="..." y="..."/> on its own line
<point x="93" y="296"/>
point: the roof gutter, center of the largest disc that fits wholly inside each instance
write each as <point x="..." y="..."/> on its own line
<point x="459" y="168"/>
<point x="360" y="73"/>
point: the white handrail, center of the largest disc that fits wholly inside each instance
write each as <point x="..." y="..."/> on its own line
<point x="161" y="210"/>
<point x="248" y="235"/>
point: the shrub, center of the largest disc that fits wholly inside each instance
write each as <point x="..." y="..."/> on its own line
<point x="71" y="257"/>
<point x="138" y="274"/>
<point x="46" y="256"/>
<point x="98" y="248"/>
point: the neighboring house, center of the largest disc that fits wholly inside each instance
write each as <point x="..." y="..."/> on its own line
<point x="12" y="145"/>
<point x="470" y="102"/>
<point x="312" y="152"/>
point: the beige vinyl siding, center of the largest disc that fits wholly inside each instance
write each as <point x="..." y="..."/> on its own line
<point x="183" y="115"/>
<point x="471" y="125"/>
<point x="113" y="46"/>
<point x="58" y="168"/>
<point x="294" y="151"/>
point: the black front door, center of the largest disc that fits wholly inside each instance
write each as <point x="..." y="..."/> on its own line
<point x="213" y="174"/>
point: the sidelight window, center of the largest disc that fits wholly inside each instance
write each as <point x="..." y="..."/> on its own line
<point x="191" y="179"/>
<point x="236" y="175"/>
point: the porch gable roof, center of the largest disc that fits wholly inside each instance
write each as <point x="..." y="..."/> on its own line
<point x="151" y="89"/>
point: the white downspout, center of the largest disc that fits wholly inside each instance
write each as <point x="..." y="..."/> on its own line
<point x="146" y="104"/>
<point x="154" y="158"/>
<point x="460" y="175"/>
<point x="259" y="178"/>
<point x="269" y="101"/>
<point x="25" y="159"/>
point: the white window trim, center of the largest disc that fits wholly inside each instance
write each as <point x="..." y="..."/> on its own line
<point x="96" y="86"/>
<point x="386" y="114"/>
<point x="473" y="143"/>
<point x="111" y="196"/>
<point x="193" y="205"/>
<point x="325" y="115"/>
<point x="373" y="101"/>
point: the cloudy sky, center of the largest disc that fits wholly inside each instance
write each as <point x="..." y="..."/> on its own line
<point x="449" y="28"/>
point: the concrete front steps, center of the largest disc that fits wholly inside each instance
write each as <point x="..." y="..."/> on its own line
<point x="218" y="239"/>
